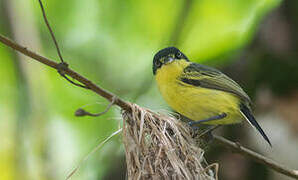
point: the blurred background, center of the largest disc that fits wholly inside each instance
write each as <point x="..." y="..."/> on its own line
<point x="112" y="42"/>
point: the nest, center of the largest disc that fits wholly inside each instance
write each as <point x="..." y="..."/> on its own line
<point x="160" y="146"/>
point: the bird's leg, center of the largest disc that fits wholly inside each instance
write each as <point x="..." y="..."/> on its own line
<point x="209" y="130"/>
<point x="213" y="118"/>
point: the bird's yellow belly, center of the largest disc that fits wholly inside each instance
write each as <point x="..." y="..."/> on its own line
<point x="198" y="103"/>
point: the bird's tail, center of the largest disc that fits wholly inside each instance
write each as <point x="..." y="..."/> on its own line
<point x="252" y="121"/>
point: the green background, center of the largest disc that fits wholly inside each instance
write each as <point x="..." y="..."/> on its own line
<point x="112" y="42"/>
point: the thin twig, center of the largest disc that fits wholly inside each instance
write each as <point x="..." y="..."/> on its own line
<point x="82" y="112"/>
<point x="72" y="82"/>
<point x="61" y="70"/>
<point x="63" y="65"/>
<point x="93" y="87"/>
<point x="93" y="151"/>
<point x="51" y="31"/>
<point x="257" y="157"/>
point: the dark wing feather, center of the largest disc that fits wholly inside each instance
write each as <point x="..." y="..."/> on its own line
<point x="251" y="119"/>
<point x="207" y="77"/>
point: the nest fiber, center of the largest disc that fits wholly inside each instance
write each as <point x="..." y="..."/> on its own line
<point x="160" y="146"/>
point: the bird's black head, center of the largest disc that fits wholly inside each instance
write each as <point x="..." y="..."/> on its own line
<point x="165" y="56"/>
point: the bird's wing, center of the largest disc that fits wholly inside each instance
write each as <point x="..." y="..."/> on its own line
<point x="207" y="77"/>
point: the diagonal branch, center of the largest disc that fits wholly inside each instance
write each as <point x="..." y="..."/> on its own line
<point x="257" y="157"/>
<point x="93" y="87"/>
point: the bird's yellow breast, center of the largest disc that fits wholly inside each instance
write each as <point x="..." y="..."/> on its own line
<point x="196" y="103"/>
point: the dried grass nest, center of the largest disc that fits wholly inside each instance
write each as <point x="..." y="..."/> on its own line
<point x="160" y="146"/>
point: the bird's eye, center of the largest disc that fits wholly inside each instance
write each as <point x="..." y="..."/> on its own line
<point x="157" y="63"/>
<point x="179" y="55"/>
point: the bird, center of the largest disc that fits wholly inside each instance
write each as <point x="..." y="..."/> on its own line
<point x="201" y="93"/>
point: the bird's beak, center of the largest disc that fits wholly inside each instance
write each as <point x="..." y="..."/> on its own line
<point x="168" y="60"/>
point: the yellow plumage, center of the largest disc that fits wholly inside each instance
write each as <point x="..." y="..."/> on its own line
<point x="201" y="93"/>
<point x="196" y="103"/>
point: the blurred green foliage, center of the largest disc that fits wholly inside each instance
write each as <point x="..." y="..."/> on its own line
<point x="112" y="42"/>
